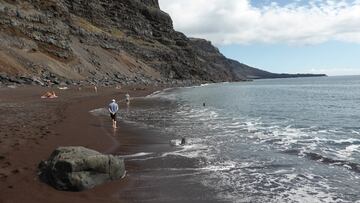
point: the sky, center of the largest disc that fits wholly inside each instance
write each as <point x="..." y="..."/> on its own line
<point x="298" y="36"/>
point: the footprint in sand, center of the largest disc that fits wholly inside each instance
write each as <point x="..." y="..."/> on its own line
<point x="16" y="144"/>
<point x="15" y="171"/>
<point x="6" y="164"/>
<point x="3" y="177"/>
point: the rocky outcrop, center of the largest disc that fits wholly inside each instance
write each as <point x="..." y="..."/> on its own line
<point x="79" y="168"/>
<point x="105" y="42"/>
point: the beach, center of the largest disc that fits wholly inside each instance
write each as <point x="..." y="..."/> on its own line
<point x="31" y="128"/>
<point x="248" y="146"/>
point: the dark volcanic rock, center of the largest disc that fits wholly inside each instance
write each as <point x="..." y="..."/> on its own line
<point x="78" y="168"/>
<point x="89" y="40"/>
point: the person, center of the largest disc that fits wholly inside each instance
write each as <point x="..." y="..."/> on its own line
<point x="127" y="98"/>
<point x="113" y="109"/>
<point x="49" y="95"/>
<point x="53" y="95"/>
<point x="183" y="142"/>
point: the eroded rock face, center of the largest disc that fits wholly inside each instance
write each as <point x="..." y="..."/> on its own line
<point x="106" y="42"/>
<point x="79" y="168"/>
<point x="94" y="40"/>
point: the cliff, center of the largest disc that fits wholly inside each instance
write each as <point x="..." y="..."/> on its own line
<point x="105" y="42"/>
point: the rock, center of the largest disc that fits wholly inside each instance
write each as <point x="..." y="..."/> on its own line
<point x="79" y="168"/>
<point x="96" y="37"/>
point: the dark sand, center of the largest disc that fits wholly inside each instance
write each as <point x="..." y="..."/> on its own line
<point x="31" y="128"/>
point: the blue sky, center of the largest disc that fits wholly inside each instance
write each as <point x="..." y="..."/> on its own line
<point x="300" y="36"/>
<point x="333" y="58"/>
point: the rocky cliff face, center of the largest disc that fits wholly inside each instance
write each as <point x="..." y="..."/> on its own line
<point x="104" y="41"/>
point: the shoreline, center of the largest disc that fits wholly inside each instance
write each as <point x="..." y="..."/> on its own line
<point x="34" y="128"/>
<point x="208" y="169"/>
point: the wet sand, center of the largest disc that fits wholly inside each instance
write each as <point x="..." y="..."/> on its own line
<point x="31" y="128"/>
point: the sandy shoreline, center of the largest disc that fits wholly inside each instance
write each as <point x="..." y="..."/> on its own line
<point x="32" y="128"/>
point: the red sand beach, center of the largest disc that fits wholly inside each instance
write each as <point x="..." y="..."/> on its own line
<point x="31" y="128"/>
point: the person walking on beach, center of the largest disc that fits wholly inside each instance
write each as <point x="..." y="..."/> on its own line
<point x="113" y="109"/>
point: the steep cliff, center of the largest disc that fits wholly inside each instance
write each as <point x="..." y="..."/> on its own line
<point x="104" y="41"/>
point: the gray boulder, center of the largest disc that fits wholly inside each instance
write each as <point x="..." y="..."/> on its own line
<point x="79" y="168"/>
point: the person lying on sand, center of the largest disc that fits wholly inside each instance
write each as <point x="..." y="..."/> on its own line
<point x="49" y="95"/>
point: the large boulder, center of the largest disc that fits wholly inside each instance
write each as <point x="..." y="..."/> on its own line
<point x="79" y="168"/>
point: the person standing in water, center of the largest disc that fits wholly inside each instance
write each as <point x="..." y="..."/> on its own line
<point x="127" y="98"/>
<point x="113" y="109"/>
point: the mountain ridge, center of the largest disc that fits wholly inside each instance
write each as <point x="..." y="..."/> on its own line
<point x="106" y="42"/>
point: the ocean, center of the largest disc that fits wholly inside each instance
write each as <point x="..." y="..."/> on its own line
<point x="276" y="140"/>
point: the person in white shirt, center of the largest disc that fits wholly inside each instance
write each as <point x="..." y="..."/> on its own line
<point x="113" y="109"/>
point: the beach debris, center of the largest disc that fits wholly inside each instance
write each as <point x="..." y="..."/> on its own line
<point x="79" y="168"/>
<point x="49" y="95"/>
<point x="63" y="88"/>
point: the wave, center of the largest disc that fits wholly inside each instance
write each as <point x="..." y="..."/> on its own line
<point x="99" y="112"/>
<point x="221" y="140"/>
<point x="165" y="94"/>
<point x="140" y="154"/>
<point x="353" y="166"/>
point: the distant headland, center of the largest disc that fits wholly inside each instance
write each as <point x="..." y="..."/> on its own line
<point x="107" y="43"/>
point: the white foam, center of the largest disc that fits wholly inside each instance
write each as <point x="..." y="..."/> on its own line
<point x="224" y="166"/>
<point x="348" y="151"/>
<point x="305" y="194"/>
<point x="162" y="94"/>
<point x="176" y="142"/>
<point x="189" y="151"/>
<point x="140" y="154"/>
<point x="153" y="94"/>
<point x="355" y="132"/>
<point x="344" y="141"/>
<point x="99" y="112"/>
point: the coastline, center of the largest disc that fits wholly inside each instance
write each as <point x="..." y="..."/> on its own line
<point x="32" y="128"/>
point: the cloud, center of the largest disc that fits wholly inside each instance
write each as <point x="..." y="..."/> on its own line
<point x="240" y="22"/>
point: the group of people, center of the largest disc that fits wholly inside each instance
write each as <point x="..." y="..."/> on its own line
<point x="114" y="108"/>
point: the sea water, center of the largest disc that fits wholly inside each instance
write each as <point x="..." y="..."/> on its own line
<point x="279" y="140"/>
